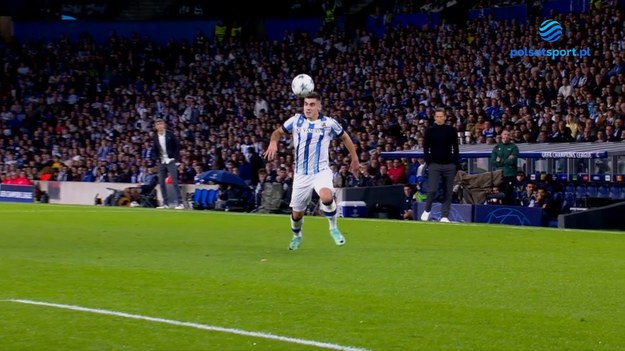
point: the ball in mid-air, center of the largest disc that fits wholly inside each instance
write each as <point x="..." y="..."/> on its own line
<point x="302" y="85"/>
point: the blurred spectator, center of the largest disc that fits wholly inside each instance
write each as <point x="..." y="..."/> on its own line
<point x="256" y="163"/>
<point x="409" y="199"/>
<point x="397" y="172"/>
<point x="382" y="178"/>
<point x="344" y="178"/>
<point x="519" y="184"/>
<point x="546" y="202"/>
<point x="495" y="197"/>
<point x="198" y="10"/>
<point x="260" y="187"/>
<point x="528" y="197"/>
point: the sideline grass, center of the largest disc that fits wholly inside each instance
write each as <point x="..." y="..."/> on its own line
<point x="394" y="285"/>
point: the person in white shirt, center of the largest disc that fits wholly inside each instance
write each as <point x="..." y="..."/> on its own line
<point x="259" y="105"/>
<point x="312" y="133"/>
<point x="566" y="89"/>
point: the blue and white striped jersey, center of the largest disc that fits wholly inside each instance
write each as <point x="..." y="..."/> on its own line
<point x="311" y="140"/>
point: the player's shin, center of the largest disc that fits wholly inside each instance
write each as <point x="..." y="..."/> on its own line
<point x="329" y="211"/>
<point x="296" y="225"/>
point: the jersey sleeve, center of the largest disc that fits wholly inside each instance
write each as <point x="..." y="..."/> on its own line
<point x="337" y="129"/>
<point x="288" y="125"/>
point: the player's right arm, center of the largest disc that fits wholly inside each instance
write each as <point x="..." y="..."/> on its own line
<point x="277" y="134"/>
<point x="272" y="149"/>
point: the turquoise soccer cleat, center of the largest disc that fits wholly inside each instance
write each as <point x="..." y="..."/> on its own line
<point x="337" y="236"/>
<point x="295" y="242"/>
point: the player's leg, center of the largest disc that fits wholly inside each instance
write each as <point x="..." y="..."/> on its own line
<point x="328" y="205"/>
<point x="297" y="221"/>
<point x="300" y="197"/>
<point x="324" y="187"/>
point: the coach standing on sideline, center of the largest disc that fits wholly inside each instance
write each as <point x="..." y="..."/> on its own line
<point x="165" y="150"/>
<point x="440" y="149"/>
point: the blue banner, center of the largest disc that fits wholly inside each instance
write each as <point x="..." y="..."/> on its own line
<point x="556" y="7"/>
<point x="516" y="12"/>
<point x="16" y="193"/>
<point x="159" y="31"/>
<point x="277" y="28"/>
<point x="402" y="20"/>
<point x="515" y="215"/>
<point x="457" y="212"/>
<point x="412" y="19"/>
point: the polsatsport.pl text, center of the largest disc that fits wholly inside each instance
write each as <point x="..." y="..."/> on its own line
<point x="550" y="52"/>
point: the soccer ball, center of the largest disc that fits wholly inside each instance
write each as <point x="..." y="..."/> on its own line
<point x="302" y="85"/>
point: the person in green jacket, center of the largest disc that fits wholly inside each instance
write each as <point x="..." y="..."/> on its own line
<point x="505" y="157"/>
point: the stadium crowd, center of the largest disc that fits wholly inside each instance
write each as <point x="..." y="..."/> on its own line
<point x="79" y="111"/>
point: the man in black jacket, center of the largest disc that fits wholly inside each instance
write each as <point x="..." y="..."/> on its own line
<point x="165" y="150"/>
<point x="440" y="148"/>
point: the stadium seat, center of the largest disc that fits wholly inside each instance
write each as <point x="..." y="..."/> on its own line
<point x="580" y="191"/>
<point x="558" y="199"/>
<point x="569" y="201"/>
<point x="204" y="199"/>
<point x="591" y="190"/>
<point x="211" y="198"/>
<point x="581" y="195"/>
<point x="615" y="192"/>
<point x="603" y="191"/>
<point x="197" y="199"/>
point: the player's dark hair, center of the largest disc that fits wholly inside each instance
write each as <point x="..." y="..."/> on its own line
<point x="313" y="95"/>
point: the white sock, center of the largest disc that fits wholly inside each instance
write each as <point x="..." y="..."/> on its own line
<point x="296" y="226"/>
<point x="329" y="211"/>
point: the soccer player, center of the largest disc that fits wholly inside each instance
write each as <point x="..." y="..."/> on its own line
<point x="312" y="133"/>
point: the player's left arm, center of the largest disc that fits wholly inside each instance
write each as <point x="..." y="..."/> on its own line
<point x="347" y="141"/>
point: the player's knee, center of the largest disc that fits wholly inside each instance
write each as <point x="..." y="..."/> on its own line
<point x="325" y="195"/>
<point x="297" y="215"/>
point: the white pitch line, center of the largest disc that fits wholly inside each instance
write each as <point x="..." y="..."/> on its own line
<point x="323" y="345"/>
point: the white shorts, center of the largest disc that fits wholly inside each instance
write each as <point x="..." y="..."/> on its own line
<point x="303" y="185"/>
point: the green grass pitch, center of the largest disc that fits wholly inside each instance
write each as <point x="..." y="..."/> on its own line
<point x="394" y="285"/>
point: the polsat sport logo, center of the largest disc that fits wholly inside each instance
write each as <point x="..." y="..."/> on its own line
<point x="550" y="31"/>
